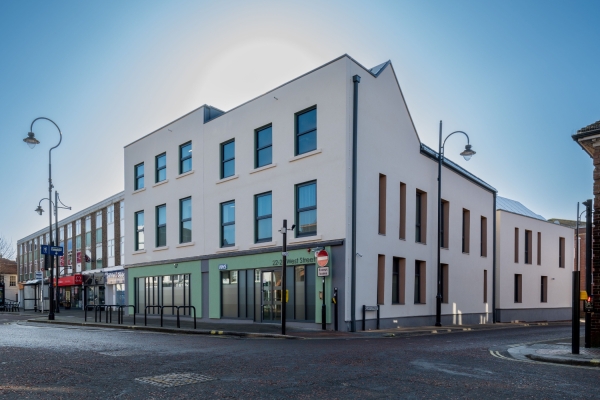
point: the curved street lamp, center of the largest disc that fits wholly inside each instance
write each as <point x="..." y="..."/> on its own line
<point x="32" y="142"/>
<point x="467" y="153"/>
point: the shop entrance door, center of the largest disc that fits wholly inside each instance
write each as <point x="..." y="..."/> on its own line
<point x="271" y="296"/>
<point x="95" y="295"/>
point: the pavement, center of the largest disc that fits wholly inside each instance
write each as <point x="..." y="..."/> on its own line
<point x="558" y="351"/>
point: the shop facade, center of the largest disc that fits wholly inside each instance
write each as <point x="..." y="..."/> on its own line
<point x="70" y="291"/>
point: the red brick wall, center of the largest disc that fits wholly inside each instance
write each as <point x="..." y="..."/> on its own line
<point x="595" y="337"/>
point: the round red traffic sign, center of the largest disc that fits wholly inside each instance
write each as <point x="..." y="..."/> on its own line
<point x="322" y="258"/>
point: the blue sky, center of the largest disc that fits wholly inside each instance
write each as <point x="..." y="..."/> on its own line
<point x="520" y="77"/>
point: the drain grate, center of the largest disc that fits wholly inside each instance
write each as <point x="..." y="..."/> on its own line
<point x="175" y="379"/>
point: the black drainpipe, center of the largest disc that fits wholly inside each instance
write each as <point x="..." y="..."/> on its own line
<point x="494" y="268"/>
<point x="356" y="80"/>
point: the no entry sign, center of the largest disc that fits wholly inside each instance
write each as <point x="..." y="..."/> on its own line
<point x="322" y="258"/>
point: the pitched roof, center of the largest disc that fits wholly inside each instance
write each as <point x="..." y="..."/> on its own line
<point x="569" y="223"/>
<point x="8" y="267"/>
<point x="591" y="127"/>
<point x="513" y="206"/>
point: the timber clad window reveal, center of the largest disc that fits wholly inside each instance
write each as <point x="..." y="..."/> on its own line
<point x="185" y="158"/>
<point x="264" y="147"/>
<point x="561" y="252"/>
<point x="161" y="168"/>
<point x="518" y="288"/>
<point x="539" y="248"/>
<point x="139" y="231"/>
<point x="528" y="247"/>
<point x="263" y="214"/>
<point x="228" y="159"/>
<point x="306" y="209"/>
<point x="380" y="279"/>
<point x="306" y="131"/>
<point x="398" y="280"/>
<point x="445" y="278"/>
<point x="161" y="226"/>
<point x="485" y="285"/>
<point x="139" y="176"/>
<point x="228" y="224"/>
<point x="516" y="245"/>
<point x="402" y="211"/>
<point x="444" y="218"/>
<point x="544" y="290"/>
<point x="420" y="282"/>
<point x="483" y="236"/>
<point x="382" y="203"/>
<point x="466" y="231"/>
<point x="185" y="220"/>
<point x="421" y="217"/>
<point x="166" y="291"/>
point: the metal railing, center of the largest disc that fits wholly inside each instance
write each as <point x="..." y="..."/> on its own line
<point x="121" y="314"/>
<point x="146" y="313"/>
<point x="162" y="310"/>
<point x="184" y="307"/>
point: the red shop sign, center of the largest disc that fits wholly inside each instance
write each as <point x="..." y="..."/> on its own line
<point x="72" y="280"/>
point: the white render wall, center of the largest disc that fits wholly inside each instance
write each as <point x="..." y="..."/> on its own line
<point x="559" y="279"/>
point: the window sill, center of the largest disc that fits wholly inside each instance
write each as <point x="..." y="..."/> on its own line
<point x="161" y="248"/>
<point x="263" y="244"/>
<point x="160" y="183"/>
<point x="138" y="191"/>
<point x="310" y="153"/>
<point x="466" y="253"/>
<point x="186" y="244"/>
<point x="259" y="169"/>
<point x="227" y="249"/>
<point x="229" y="178"/>
<point x="138" y="252"/>
<point x="185" y="174"/>
<point x="423" y="243"/>
<point x="444" y="248"/>
<point x="305" y="239"/>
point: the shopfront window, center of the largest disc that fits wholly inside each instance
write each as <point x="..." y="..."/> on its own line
<point x="166" y="291"/>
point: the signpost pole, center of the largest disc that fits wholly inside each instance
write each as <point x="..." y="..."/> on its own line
<point x="323" y="309"/>
<point x="283" y="280"/>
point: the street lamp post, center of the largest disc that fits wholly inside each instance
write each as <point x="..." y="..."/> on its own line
<point x="284" y="255"/>
<point x="467" y="153"/>
<point x="40" y="210"/>
<point x="32" y="142"/>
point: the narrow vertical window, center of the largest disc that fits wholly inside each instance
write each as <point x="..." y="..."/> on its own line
<point x="518" y="288"/>
<point x="485" y="285"/>
<point x="445" y="278"/>
<point x="417" y="288"/>
<point x="382" y="203"/>
<point x="185" y="157"/>
<point x="561" y="252"/>
<point x="264" y="147"/>
<point x="483" y="236"/>
<point x="418" y="218"/>
<point x="528" y="247"/>
<point x="402" y="211"/>
<point x="380" y="279"/>
<point x="399" y="280"/>
<point x="445" y="221"/>
<point x="161" y="167"/>
<point x="539" y="248"/>
<point x="466" y="231"/>
<point x="306" y="131"/>
<point x="139" y="176"/>
<point x="544" y="290"/>
<point x="185" y="220"/>
<point x="228" y="224"/>
<point x="306" y="209"/>
<point x="516" y="245"/>
<point x="161" y="225"/>
<point x="227" y="159"/>
<point x="263" y="212"/>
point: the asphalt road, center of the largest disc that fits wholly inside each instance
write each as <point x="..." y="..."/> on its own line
<point x="45" y="361"/>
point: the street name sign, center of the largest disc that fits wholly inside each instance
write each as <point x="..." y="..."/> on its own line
<point x="52" y="250"/>
<point x="39" y="275"/>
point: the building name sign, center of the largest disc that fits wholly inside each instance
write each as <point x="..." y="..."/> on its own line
<point x="115" y="277"/>
<point x="222" y="267"/>
<point x="294" y="261"/>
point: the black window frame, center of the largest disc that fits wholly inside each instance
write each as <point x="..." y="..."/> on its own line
<point x="223" y="160"/>
<point x="182" y="220"/>
<point x="158" y="226"/>
<point x="299" y="210"/>
<point x="138" y="177"/>
<point x="138" y="231"/>
<point x="157" y="169"/>
<point x="395" y="280"/>
<point x="417" y="289"/>
<point x="261" y="217"/>
<point x="418" y="218"/>
<point x="257" y="149"/>
<point x="224" y="224"/>
<point x="182" y="159"/>
<point x="298" y="134"/>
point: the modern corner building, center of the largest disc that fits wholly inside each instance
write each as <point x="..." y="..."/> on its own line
<point x="207" y="195"/>
<point x="91" y="270"/>
<point x="534" y="259"/>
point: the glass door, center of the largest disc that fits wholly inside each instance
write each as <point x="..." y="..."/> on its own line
<point x="271" y="296"/>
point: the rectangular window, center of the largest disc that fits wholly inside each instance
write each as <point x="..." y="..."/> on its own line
<point x="77" y="229"/>
<point x="161" y="225"/>
<point x="111" y="253"/>
<point x="69" y="231"/>
<point x="139" y="231"/>
<point x="544" y="290"/>
<point x="445" y="278"/>
<point x="466" y="231"/>
<point x="139" y="176"/>
<point x="380" y="279"/>
<point x="382" y="203"/>
<point x="419" y="291"/>
<point x="263" y="215"/>
<point x="185" y="220"/>
<point x="99" y="262"/>
<point x="306" y="209"/>
<point x="306" y="131"/>
<point x="227" y="159"/>
<point x="518" y="288"/>
<point x="228" y="224"/>
<point x="528" y="245"/>
<point x="561" y="252"/>
<point x="13" y="280"/>
<point x="264" y="147"/>
<point x="99" y="235"/>
<point x="398" y="281"/>
<point x="445" y="226"/>
<point x="516" y="245"/>
<point x="185" y="157"/>
<point x="483" y="237"/>
<point x="110" y="214"/>
<point x="539" y="248"/>
<point x="421" y="217"/>
<point x="161" y="167"/>
<point x="402" y="211"/>
<point x="485" y="285"/>
<point x="78" y="242"/>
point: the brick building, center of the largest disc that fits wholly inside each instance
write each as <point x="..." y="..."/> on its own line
<point x="8" y="275"/>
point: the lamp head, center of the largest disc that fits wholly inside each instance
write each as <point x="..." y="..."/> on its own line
<point x="39" y="210"/>
<point x="31" y="140"/>
<point x="467" y="152"/>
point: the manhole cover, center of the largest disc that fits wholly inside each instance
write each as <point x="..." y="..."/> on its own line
<point x="175" y="379"/>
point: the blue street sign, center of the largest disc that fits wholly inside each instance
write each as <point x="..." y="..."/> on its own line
<point x="52" y="250"/>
